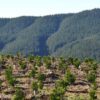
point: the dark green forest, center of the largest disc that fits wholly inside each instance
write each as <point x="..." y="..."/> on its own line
<point x="67" y="35"/>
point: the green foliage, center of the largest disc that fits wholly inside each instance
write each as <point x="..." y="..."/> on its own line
<point x="70" y="78"/>
<point x="48" y="64"/>
<point x="40" y="85"/>
<point x="91" y="77"/>
<point x="32" y="73"/>
<point x="77" y="97"/>
<point x="54" y="97"/>
<point x="88" y="60"/>
<point x="76" y="62"/>
<point x="61" y="83"/>
<point x="19" y="95"/>
<point x="94" y="86"/>
<point x="35" y="86"/>
<point x="31" y="58"/>
<point x="47" y="61"/>
<point x="92" y="94"/>
<point x="9" y="76"/>
<point x="94" y="66"/>
<point x="22" y="65"/>
<point x="63" y="66"/>
<point x="41" y="77"/>
<point x="70" y="60"/>
<point x="0" y="83"/>
<point x="38" y="61"/>
<point x="57" y="94"/>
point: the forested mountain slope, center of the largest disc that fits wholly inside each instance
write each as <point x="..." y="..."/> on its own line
<point x="76" y="35"/>
<point x="33" y="37"/>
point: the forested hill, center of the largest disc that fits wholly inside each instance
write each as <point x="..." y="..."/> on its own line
<point x="68" y="35"/>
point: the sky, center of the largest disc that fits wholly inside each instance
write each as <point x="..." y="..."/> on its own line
<point x="15" y="8"/>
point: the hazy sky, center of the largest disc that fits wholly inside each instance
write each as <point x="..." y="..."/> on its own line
<point x="12" y="8"/>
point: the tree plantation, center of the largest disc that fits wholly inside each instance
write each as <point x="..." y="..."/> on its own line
<point x="48" y="78"/>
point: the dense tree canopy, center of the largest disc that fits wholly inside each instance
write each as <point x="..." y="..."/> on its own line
<point x="68" y="35"/>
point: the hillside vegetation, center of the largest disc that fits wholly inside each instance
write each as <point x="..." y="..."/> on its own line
<point x="66" y="35"/>
<point x="48" y="78"/>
